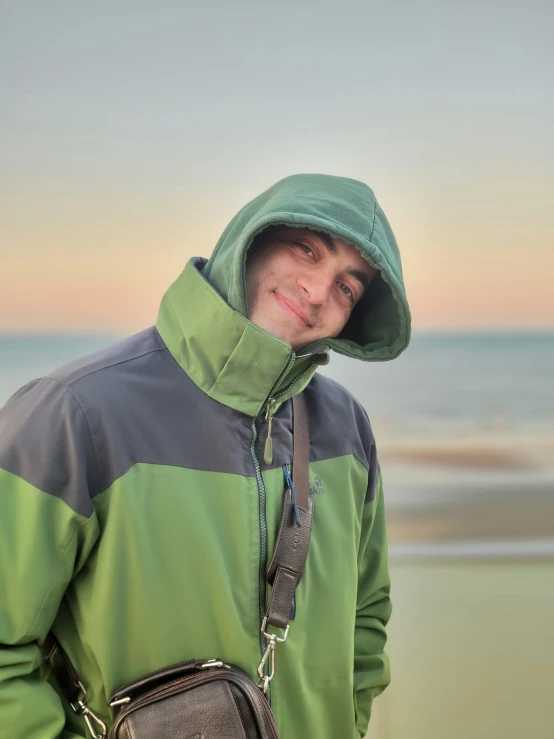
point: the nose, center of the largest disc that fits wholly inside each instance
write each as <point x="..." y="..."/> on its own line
<point x="315" y="286"/>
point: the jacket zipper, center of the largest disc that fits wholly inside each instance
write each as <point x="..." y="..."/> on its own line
<point x="269" y="410"/>
<point x="269" y="413"/>
<point x="262" y="509"/>
<point x="262" y="528"/>
<point x="269" y="406"/>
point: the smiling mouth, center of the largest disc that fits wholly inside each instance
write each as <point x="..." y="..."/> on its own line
<point x="293" y="310"/>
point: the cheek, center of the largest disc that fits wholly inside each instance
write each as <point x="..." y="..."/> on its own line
<point x="260" y="263"/>
<point x="261" y="279"/>
<point x="268" y="270"/>
<point x="335" y="320"/>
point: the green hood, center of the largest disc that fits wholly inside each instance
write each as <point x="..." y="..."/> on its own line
<point x="379" y="328"/>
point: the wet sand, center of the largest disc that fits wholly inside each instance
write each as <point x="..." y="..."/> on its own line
<point x="464" y="456"/>
<point x="480" y="451"/>
<point x="517" y="503"/>
<point x="527" y="518"/>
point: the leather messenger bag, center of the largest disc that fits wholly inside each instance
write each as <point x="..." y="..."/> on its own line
<point x="209" y="699"/>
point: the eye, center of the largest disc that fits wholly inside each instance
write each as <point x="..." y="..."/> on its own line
<point x="305" y="248"/>
<point x="346" y="290"/>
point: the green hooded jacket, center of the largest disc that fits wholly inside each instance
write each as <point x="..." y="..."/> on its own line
<point x="137" y="513"/>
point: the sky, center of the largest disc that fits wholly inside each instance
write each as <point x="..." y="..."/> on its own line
<point x="131" y="132"/>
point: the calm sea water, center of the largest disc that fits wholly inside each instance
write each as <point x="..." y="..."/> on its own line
<point x="24" y="357"/>
<point x="451" y="381"/>
<point x="441" y="382"/>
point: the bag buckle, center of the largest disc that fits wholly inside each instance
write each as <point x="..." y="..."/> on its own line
<point x="214" y="663"/>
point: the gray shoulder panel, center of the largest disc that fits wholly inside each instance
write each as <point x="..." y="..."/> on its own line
<point x="348" y="428"/>
<point x="44" y="438"/>
<point x="132" y="347"/>
<point x="74" y="433"/>
<point x="142" y="407"/>
<point x="338" y="423"/>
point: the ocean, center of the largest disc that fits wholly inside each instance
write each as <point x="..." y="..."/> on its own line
<point x="443" y="383"/>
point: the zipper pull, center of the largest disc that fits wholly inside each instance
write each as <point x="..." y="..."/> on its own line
<point x="268" y="448"/>
<point x="289" y="483"/>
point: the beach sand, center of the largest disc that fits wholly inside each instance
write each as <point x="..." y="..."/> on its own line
<point x="516" y="503"/>
<point x="531" y="517"/>
<point x="462" y="456"/>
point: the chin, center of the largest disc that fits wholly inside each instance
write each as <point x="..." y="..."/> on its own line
<point x="296" y="343"/>
<point x="285" y="336"/>
<point x="280" y="330"/>
<point x="280" y="333"/>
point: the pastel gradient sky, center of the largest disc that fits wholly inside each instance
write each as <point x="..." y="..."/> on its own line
<point x="131" y="132"/>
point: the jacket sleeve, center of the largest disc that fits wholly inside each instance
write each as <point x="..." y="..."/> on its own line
<point x="371" y="664"/>
<point x="47" y="529"/>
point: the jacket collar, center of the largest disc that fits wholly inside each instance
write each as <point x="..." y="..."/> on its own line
<point x="228" y="357"/>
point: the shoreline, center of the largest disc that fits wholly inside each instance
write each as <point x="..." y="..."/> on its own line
<point x="473" y="487"/>
<point x="527" y="550"/>
<point x="471" y="450"/>
<point x="527" y="517"/>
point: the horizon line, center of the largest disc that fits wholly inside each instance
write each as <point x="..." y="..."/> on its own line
<point x="439" y="331"/>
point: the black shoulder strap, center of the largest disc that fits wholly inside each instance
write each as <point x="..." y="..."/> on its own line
<point x="73" y="689"/>
<point x="301" y="450"/>
<point x="62" y="668"/>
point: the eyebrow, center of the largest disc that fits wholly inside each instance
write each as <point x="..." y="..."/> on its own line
<point x="327" y="240"/>
<point x="362" y="277"/>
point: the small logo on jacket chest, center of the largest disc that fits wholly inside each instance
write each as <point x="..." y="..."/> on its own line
<point x="317" y="487"/>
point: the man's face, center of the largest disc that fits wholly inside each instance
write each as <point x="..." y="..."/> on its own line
<point x="302" y="285"/>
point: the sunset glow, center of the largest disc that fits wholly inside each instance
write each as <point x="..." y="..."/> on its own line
<point x="131" y="138"/>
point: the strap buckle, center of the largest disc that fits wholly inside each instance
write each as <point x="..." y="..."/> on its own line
<point x="269" y="655"/>
<point x="90" y="717"/>
<point x="274" y="637"/>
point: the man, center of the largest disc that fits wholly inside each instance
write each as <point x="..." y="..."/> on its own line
<point x="141" y="488"/>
